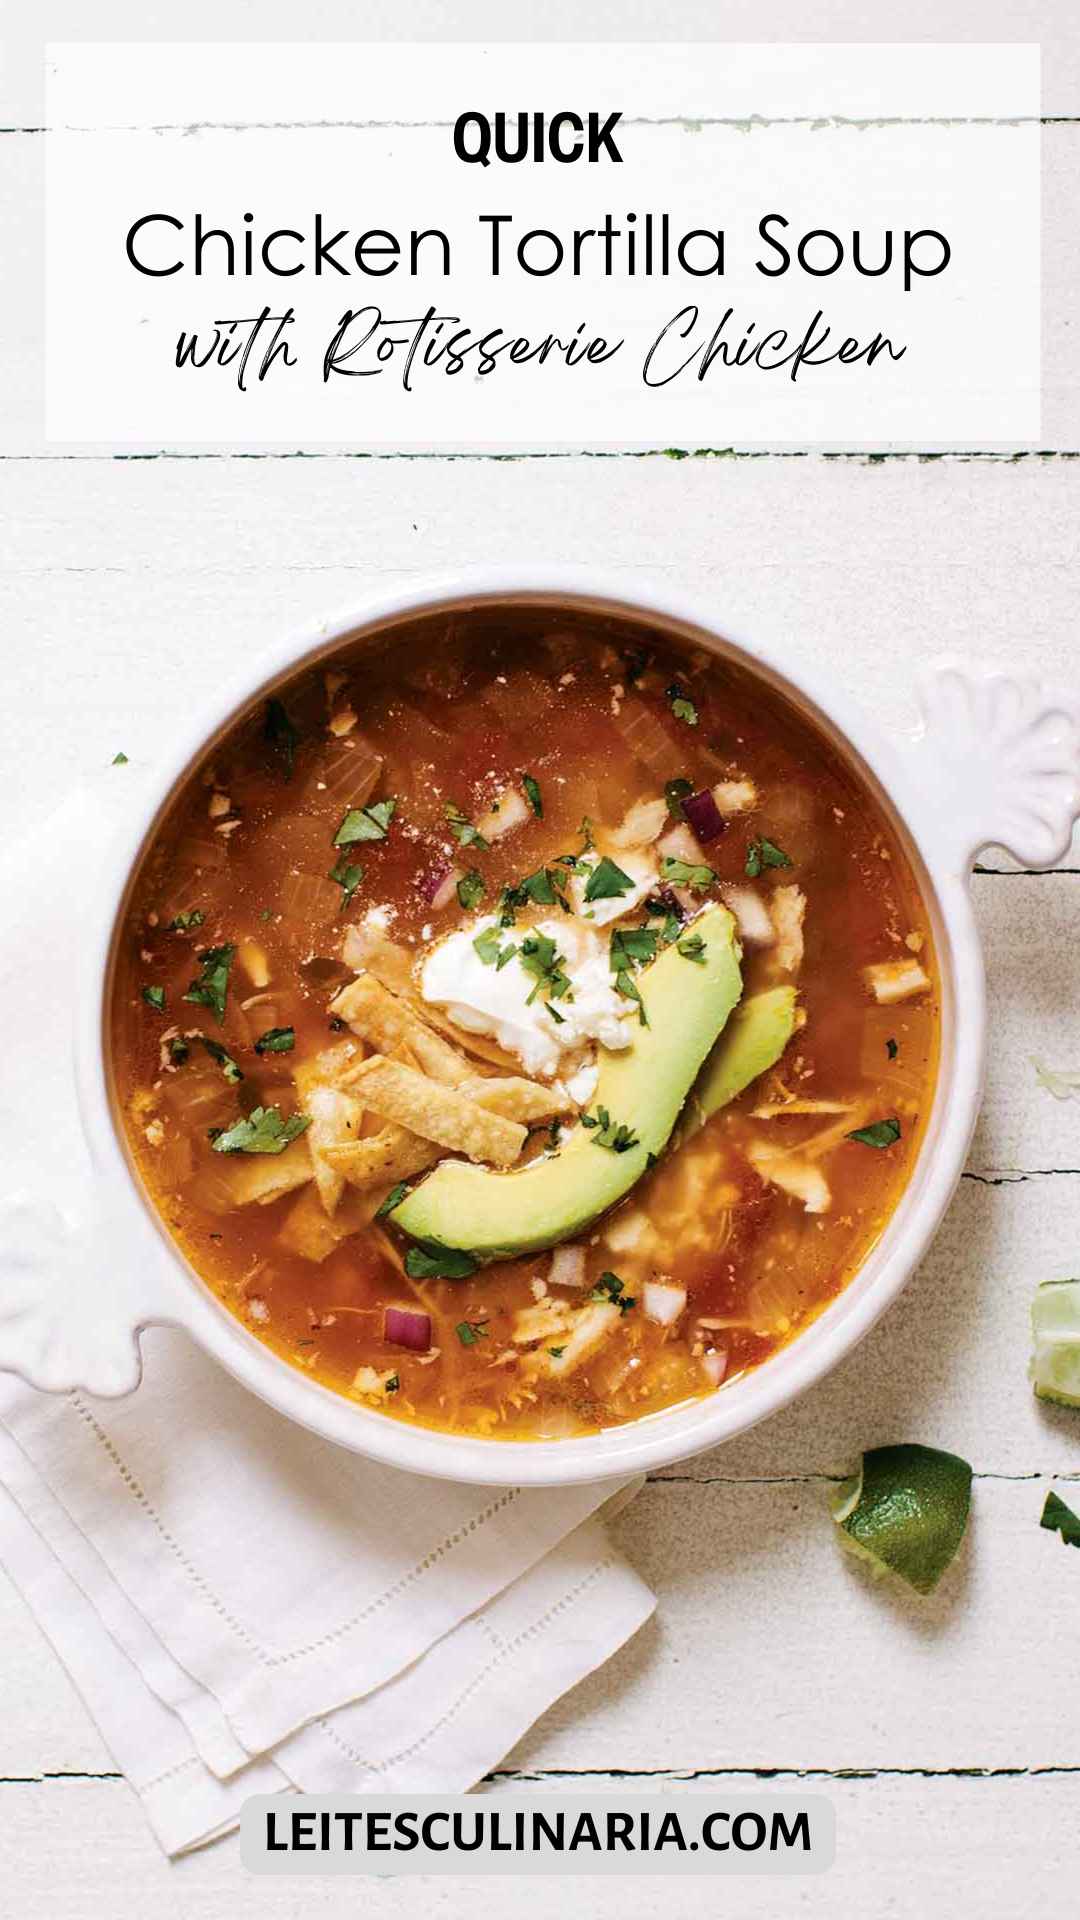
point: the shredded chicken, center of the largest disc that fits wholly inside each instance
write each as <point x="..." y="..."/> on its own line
<point x="891" y="980"/>
<point x="735" y="796"/>
<point x="788" y="909"/>
<point x="643" y="823"/>
<point x="792" y="1173"/>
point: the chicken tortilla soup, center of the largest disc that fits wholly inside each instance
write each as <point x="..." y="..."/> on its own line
<point x="524" y="1025"/>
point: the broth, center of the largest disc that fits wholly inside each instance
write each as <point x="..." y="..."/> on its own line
<point x="513" y="744"/>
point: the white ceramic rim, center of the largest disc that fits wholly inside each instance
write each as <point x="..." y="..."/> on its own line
<point x="176" y="1296"/>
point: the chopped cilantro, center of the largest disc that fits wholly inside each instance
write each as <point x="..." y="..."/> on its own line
<point x="631" y="947"/>
<point x="609" y="1288"/>
<point x="184" y="922"/>
<point x="891" y="1049"/>
<point x="276" y="1040"/>
<point x="692" y="948"/>
<point x="607" y="881"/>
<point x="880" y="1133"/>
<point x="393" y="1383"/>
<point x="224" y="1059"/>
<point x="675" y="792"/>
<point x="179" y="1051"/>
<point x="556" y="1352"/>
<point x="365" y="823"/>
<point x="544" y="888"/>
<point x="763" y="853"/>
<point x="681" y="704"/>
<point x="154" y="997"/>
<point x="393" y="1199"/>
<point x="610" y="1133"/>
<point x="263" y="1131"/>
<point x="212" y="985"/>
<point x="683" y="873"/>
<point x="119" y="759"/>
<point x="486" y="946"/>
<point x="627" y="986"/>
<point x="280" y="734"/>
<point x="470" y="1331"/>
<point x="471" y="889"/>
<point x="533" y="794"/>
<point x="429" y="1260"/>
<point x="574" y="860"/>
<point x="348" y="879"/>
<point x="463" y="830"/>
<point x="1056" y="1517"/>
<point x="540" y="957"/>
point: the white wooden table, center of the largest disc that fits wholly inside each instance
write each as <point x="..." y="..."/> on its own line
<point x="946" y="1730"/>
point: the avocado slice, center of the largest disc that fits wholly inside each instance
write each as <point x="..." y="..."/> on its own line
<point x="751" y="1043"/>
<point x="495" y="1215"/>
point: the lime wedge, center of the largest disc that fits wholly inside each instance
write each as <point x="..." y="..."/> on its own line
<point x="1058" y="1518"/>
<point x="905" y="1512"/>
<point x="1055" y="1327"/>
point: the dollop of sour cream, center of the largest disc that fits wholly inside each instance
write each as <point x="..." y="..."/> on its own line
<point x="484" y="998"/>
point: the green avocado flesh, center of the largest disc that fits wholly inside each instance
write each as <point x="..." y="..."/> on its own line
<point x="751" y="1043"/>
<point x="495" y="1215"/>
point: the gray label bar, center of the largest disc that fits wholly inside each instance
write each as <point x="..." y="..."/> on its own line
<point x="685" y="1832"/>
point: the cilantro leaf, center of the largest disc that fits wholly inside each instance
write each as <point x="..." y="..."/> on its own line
<point x="880" y="1133"/>
<point x="681" y="704"/>
<point x="675" y="792"/>
<point x="348" y="879"/>
<point x="392" y="1384"/>
<point x="185" y="922"/>
<point x="224" y="1059"/>
<point x="471" y="889"/>
<point x="463" y="830"/>
<point x="276" y="1040"/>
<point x="429" y="1260"/>
<point x="154" y="997"/>
<point x="610" y="1133"/>
<point x="692" y="947"/>
<point x="263" y="1131"/>
<point x="470" y="1331"/>
<point x="610" y="1289"/>
<point x="540" y="957"/>
<point x="891" y="1049"/>
<point x="682" y="873"/>
<point x="1056" y="1517"/>
<point x="179" y="1050"/>
<point x="486" y="946"/>
<point x="631" y="947"/>
<point x="544" y="888"/>
<point x="627" y="986"/>
<point x="365" y="823"/>
<point x="393" y="1199"/>
<point x="533" y="794"/>
<point x="280" y="734"/>
<point x="212" y="985"/>
<point x="607" y="881"/>
<point x="763" y="853"/>
<point x="119" y="759"/>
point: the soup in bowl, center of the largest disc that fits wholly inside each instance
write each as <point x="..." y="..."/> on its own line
<point x="525" y="1021"/>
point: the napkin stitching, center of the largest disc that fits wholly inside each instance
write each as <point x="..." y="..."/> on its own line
<point x="508" y="1647"/>
<point x="268" y="1659"/>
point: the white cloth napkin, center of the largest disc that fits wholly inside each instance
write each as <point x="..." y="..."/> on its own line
<point x="243" y="1607"/>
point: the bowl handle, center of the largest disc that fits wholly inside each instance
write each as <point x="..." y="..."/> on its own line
<point x="998" y="759"/>
<point x="73" y="1298"/>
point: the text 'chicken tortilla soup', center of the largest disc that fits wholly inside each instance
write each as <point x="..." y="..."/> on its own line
<point x="524" y="1025"/>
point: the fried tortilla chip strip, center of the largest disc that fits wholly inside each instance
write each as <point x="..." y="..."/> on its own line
<point x="384" y="1158"/>
<point x="386" y="1022"/>
<point x="436" y="1112"/>
<point x="514" y="1098"/>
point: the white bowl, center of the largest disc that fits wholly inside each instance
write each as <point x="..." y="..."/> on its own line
<point x="995" y="761"/>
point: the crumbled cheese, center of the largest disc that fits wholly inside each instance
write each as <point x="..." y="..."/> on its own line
<point x="509" y="810"/>
<point x="155" y="1133"/>
<point x="495" y="1000"/>
<point x="891" y="980"/>
<point x="258" y="1310"/>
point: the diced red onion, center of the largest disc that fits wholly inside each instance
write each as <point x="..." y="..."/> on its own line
<point x="704" y="815"/>
<point x="437" y="887"/>
<point x="406" y="1327"/>
<point x="662" y="1303"/>
<point x="714" y="1364"/>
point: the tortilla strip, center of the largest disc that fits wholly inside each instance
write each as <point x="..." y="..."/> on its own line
<point x="335" y="1122"/>
<point x="262" y="1177"/>
<point x="475" y="1043"/>
<point x="513" y="1097"/>
<point x="310" y="1232"/>
<point x="437" y="1112"/>
<point x="386" y="1022"/>
<point x="384" y="1158"/>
